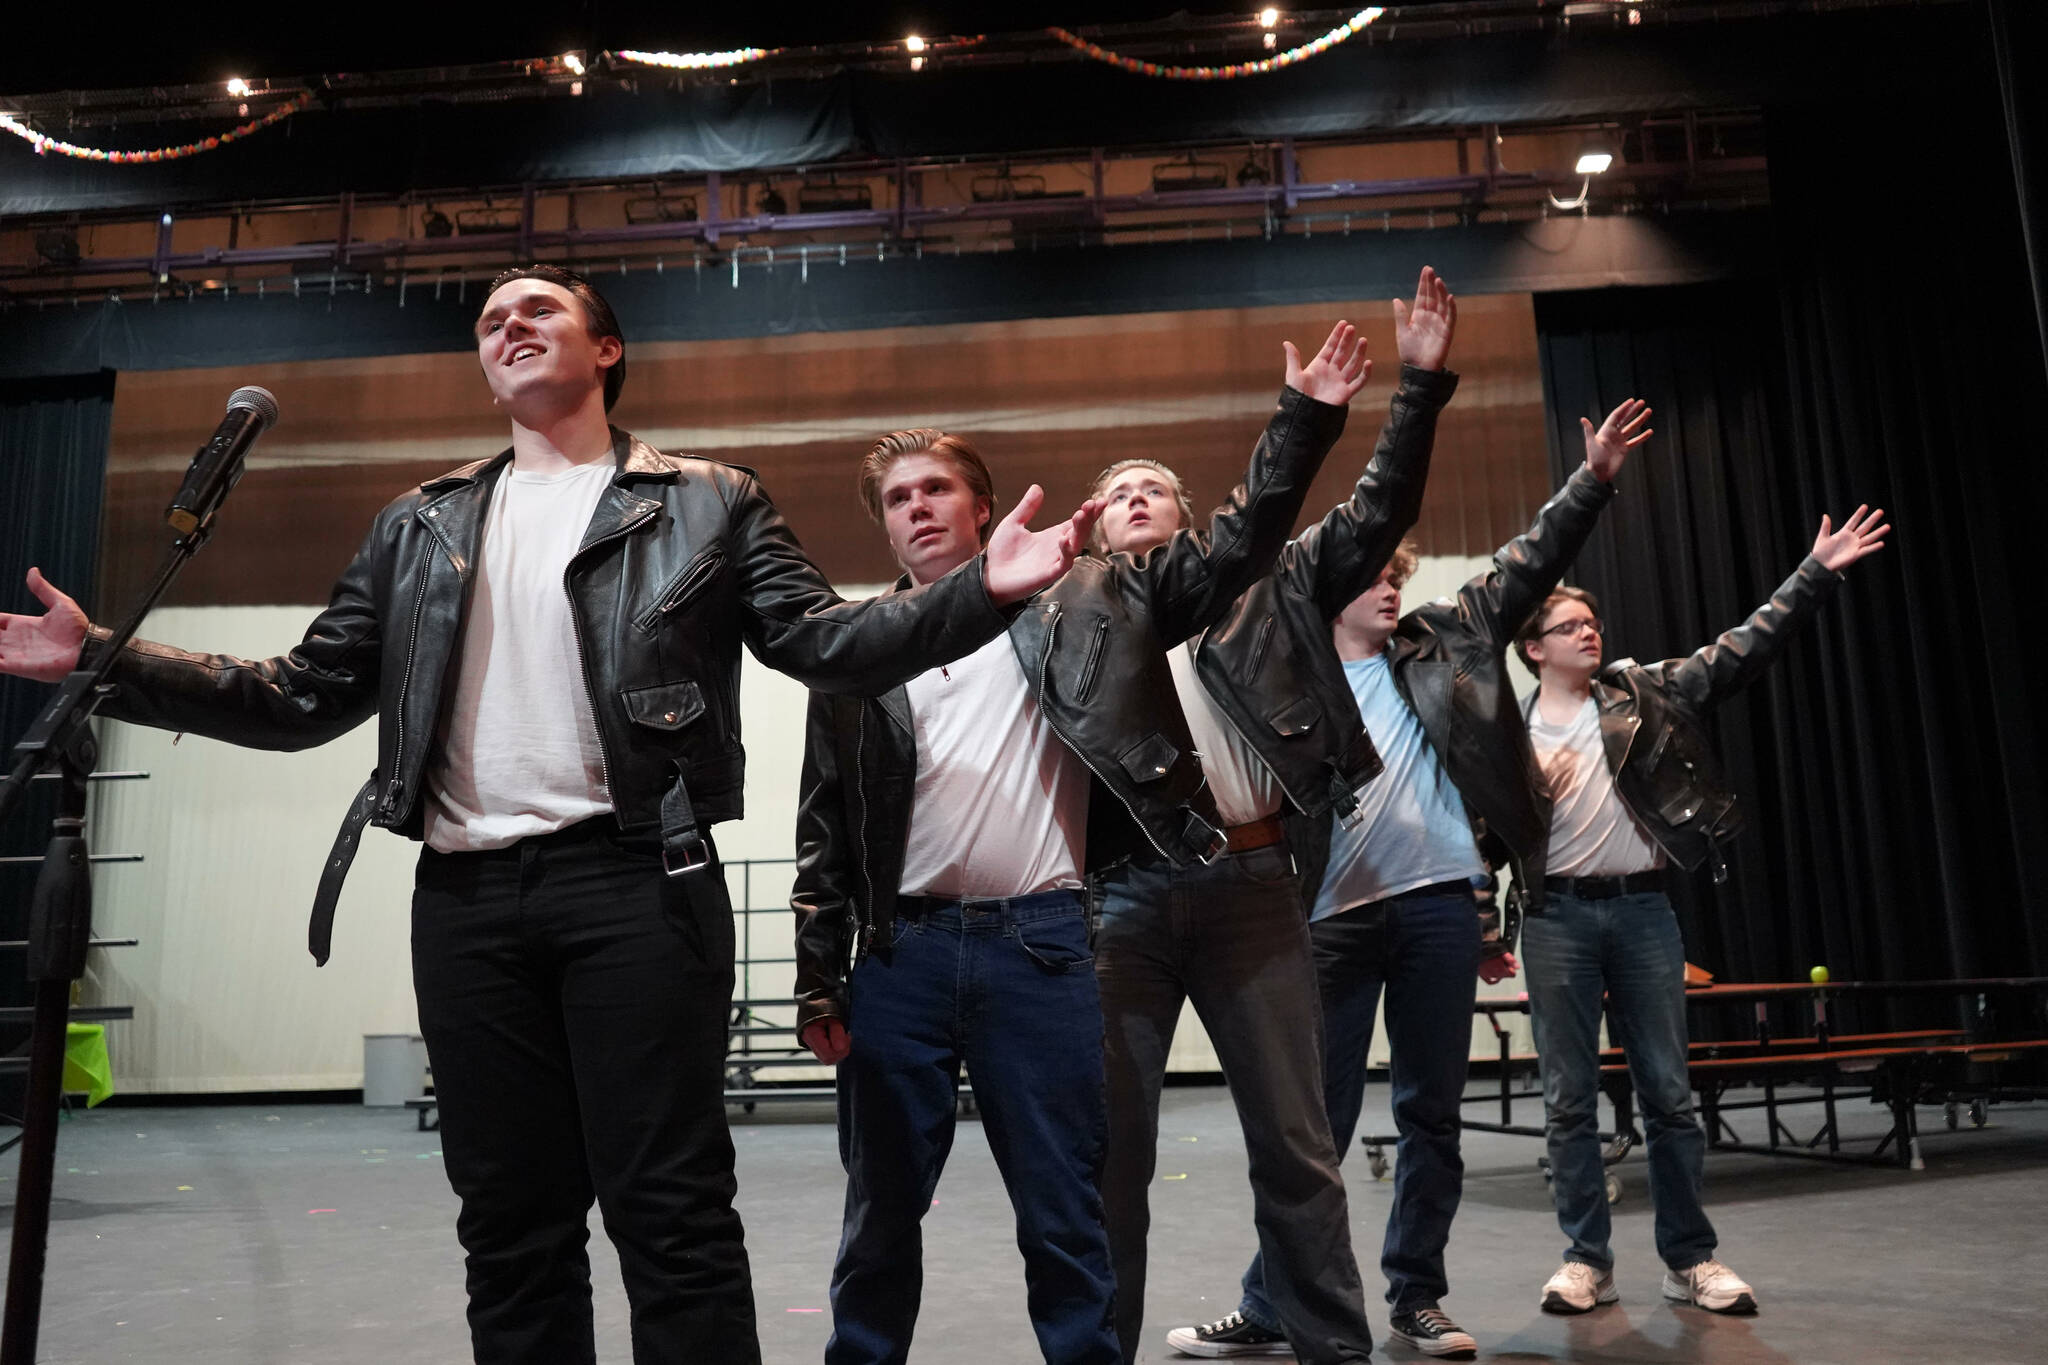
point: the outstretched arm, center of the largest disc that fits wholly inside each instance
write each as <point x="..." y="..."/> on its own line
<point x="1338" y="558"/>
<point x="322" y="688"/>
<point x="1716" y="672"/>
<point x="1190" y="581"/>
<point x="796" y="623"/>
<point x="1527" y="568"/>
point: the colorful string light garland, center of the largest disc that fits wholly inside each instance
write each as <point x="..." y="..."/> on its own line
<point x="695" y="61"/>
<point x="45" y="144"/>
<point x="1222" y="73"/>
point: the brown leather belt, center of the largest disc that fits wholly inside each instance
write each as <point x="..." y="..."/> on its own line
<point x="1254" y="834"/>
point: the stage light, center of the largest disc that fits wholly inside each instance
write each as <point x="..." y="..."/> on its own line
<point x="1593" y="161"/>
<point x="917" y="63"/>
<point x="772" y="203"/>
<point x="437" y="224"/>
<point x="913" y="44"/>
<point x="574" y="62"/>
<point x="237" y="86"/>
<point x="1268" y="17"/>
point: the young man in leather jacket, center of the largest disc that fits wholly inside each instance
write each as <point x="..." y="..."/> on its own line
<point x="1635" y="788"/>
<point x="943" y="837"/>
<point x="1267" y="715"/>
<point x="1392" y="897"/>
<point x="550" y="641"/>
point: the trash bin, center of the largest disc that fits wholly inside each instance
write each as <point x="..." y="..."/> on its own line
<point x="394" y="1068"/>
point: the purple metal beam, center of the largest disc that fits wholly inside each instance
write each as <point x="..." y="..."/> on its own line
<point x="525" y="241"/>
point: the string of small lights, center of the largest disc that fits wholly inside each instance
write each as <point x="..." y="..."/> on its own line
<point x="45" y="144"/>
<point x="1264" y="66"/>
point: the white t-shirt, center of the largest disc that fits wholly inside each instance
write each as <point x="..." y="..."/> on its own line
<point x="1244" y="787"/>
<point x="1414" y="831"/>
<point x="1592" y="833"/>
<point x="517" y="748"/>
<point x="1001" y="804"/>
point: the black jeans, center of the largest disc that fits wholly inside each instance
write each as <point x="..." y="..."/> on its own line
<point x="574" y="1002"/>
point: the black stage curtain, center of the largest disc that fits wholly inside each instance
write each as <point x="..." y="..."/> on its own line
<point x="53" y="463"/>
<point x="1891" y="763"/>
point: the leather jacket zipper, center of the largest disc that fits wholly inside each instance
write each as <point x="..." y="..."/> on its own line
<point x="412" y="649"/>
<point x="1094" y="658"/>
<point x="683" y="587"/>
<point x="604" y="760"/>
<point x="860" y="791"/>
<point x="1044" y="667"/>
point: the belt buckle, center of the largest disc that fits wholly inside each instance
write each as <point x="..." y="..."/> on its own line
<point x="1219" y="845"/>
<point x="696" y="857"/>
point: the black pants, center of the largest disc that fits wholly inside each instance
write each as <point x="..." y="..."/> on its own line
<point x="574" y="1003"/>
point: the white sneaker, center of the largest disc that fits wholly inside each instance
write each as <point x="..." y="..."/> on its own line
<point x="1711" y="1286"/>
<point x="1579" y="1288"/>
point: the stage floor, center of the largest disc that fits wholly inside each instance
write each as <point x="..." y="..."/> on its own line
<point x="325" y="1234"/>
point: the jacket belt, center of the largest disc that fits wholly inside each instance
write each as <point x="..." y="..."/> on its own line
<point x="320" y="934"/>
<point x="1607" y="888"/>
<point x="683" y="848"/>
<point x="1261" y="833"/>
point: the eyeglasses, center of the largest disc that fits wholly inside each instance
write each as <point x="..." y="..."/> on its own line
<point x="1591" y="623"/>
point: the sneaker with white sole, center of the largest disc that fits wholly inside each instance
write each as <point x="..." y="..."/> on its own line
<point x="1430" y="1330"/>
<point x="1579" y="1288"/>
<point x="1712" y="1286"/>
<point x="1230" y="1336"/>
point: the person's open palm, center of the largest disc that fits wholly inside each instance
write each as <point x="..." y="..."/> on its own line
<point x="1862" y="534"/>
<point x="44" y="647"/>
<point x="1607" y="446"/>
<point x="1423" y="329"/>
<point x="1337" y="373"/>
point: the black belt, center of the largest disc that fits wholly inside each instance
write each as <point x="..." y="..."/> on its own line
<point x="1607" y="888"/>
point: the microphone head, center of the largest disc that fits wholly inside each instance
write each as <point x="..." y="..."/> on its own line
<point x="254" y="398"/>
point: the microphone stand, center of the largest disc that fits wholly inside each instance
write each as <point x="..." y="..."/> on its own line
<point x="59" y="932"/>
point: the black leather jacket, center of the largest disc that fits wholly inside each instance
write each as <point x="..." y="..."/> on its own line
<point x="1094" y="649"/>
<point x="684" y="561"/>
<point x="1268" y="664"/>
<point x="1652" y="723"/>
<point x="1449" y="660"/>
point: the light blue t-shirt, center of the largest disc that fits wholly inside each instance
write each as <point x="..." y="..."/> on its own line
<point x="1415" y="831"/>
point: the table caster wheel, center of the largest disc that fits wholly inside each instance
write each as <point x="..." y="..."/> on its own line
<point x="1980" y="1113"/>
<point x="1950" y="1115"/>
<point x="1376" y="1162"/>
<point x="1613" y="1188"/>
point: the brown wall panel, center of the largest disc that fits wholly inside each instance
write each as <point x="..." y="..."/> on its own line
<point x="1050" y="400"/>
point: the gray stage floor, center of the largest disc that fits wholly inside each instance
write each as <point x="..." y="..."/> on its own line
<point x="233" y="1236"/>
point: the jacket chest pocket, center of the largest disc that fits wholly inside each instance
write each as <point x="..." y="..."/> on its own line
<point x="689" y="583"/>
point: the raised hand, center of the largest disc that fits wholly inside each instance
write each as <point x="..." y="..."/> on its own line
<point x="44" y="647"/>
<point x="1422" y="330"/>
<point x="1337" y="373"/>
<point x="1607" y="449"/>
<point x="1022" y="561"/>
<point x="828" y="1040"/>
<point x="1862" y="534"/>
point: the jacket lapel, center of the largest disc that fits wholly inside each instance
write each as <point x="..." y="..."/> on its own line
<point x="1618" y="723"/>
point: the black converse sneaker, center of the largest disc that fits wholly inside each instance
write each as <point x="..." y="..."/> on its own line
<point x="1231" y="1336"/>
<point x="1430" y="1330"/>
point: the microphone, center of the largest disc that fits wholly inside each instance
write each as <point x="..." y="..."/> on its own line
<point x="218" y="465"/>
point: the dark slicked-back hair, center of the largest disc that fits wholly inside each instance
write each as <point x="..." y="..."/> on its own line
<point x="596" y="312"/>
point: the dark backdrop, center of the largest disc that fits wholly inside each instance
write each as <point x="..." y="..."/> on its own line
<point x="1891" y="763"/>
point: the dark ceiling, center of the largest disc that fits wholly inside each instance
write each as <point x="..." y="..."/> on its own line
<point x="171" y="45"/>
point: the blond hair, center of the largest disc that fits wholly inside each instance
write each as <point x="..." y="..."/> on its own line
<point x="957" y="450"/>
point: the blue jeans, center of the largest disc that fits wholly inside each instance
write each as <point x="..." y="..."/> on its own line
<point x="1008" y="987"/>
<point x="1230" y="937"/>
<point x="1424" y="951"/>
<point x="1629" y="948"/>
